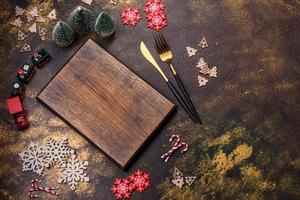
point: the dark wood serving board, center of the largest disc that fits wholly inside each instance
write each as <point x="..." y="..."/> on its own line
<point x="106" y="102"/>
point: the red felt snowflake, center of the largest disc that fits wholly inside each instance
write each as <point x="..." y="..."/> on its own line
<point x="141" y="180"/>
<point x="130" y="16"/>
<point x="122" y="188"/>
<point x="152" y="6"/>
<point x="157" y="20"/>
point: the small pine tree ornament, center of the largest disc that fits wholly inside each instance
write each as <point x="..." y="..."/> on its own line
<point x="81" y="20"/>
<point x="104" y="25"/>
<point x="63" y="34"/>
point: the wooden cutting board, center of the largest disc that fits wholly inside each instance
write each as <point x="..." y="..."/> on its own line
<point x="106" y="102"/>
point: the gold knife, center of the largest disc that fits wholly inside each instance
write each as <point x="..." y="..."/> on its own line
<point x="150" y="58"/>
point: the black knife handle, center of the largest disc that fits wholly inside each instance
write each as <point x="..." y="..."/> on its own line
<point x="189" y="101"/>
<point x="181" y="101"/>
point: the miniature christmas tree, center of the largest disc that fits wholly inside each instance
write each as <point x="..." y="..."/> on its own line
<point x="104" y="25"/>
<point x="81" y="20"/>
<point x="63" y="34"/>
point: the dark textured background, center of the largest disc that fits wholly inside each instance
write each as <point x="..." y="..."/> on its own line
<point x="248" y="146"/>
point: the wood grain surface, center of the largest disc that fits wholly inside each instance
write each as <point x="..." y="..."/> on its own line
<point x="106" y="102"/>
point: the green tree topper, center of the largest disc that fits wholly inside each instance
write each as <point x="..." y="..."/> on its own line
<point x="104" y="25"/>
<point x="63" y="34"/>
<point x="81" y="20"/>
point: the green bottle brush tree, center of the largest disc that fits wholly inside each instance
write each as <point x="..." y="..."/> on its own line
<point x="63" y="34"/>
<point x="81" y="20"/>
<point x="104" y="25"/>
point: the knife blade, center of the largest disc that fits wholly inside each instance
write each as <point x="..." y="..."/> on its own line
<point x="146" y="53"/>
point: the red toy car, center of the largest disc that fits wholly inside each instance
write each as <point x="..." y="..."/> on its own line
<point x="16" y="109"/>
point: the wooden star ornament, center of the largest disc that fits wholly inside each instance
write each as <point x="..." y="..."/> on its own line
<point x="52" y="15"/>
<point x="191" y="51"/>
<point x="202" y="81"/>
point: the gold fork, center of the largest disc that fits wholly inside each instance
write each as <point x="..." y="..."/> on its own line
<point x="166" y="56"/>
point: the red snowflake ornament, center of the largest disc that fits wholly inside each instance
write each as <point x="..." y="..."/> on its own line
<point x="152" y="6"/>
<point x="157" y="20"/>
<point x="141" y="180"/>
<point x="122" y="188"/>
<point x="130" y="16"/>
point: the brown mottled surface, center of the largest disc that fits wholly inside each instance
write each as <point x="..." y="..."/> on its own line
<point x="248" y="147"/>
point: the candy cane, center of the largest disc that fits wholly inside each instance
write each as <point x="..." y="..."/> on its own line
<point x="176" y="146"/>
<point x="186" y="147"/>
<point x="35" y="187"/>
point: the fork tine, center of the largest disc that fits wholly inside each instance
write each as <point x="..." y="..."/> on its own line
<point x="165" y="42"/>
<point x="161" y="49"/>
<point x="157" y="45"/>
<point x="162" y="43"/>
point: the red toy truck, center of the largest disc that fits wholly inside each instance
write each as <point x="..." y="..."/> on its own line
<point x="16" y="109"/>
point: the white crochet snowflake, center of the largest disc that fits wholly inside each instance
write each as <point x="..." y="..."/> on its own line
<point x="73" y="172"/>
<point x="34" y="158"/>
<point x="57" y="152"/>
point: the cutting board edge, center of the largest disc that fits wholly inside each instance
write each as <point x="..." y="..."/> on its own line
<point x="125" y="165"/>
<point x="172" y="109"/>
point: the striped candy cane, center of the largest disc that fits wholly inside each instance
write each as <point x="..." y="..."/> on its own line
<point x="176" y="146"/>
<point x="35" y="187"/>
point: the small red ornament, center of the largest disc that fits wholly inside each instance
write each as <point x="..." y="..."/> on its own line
<point x="130" y="16"/>
<point x="20" y="71"/>
<point x="157" y="20"/>
<point x="122" y="188"/>
<point x="141" y="180"/>
<point x="152" y="6"/>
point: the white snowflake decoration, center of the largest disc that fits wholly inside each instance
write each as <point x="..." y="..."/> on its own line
<point x="52" y="15"/>
<point x="203" y="44"/>
<point x="73" y="172"/>
<point x="57" y="152"/>
<point x="34" y="158"/>
<point x="21" y="35"/>
<point x="202" y="81"/>
<point x="17" y="22"/>
<point x="19" y="11"/>
<point x="87" y="1"/>
<point x="191" y="51"/>
<point x="26" y="47"/>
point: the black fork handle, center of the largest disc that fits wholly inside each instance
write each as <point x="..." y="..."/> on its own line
<point x="181" y="101"/>
<point x="189" y="101"/>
